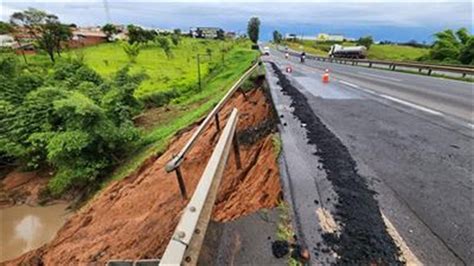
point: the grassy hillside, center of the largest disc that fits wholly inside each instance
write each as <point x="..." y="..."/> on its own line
<point x="376" y="51"/>
<point x="157" y="123"/>
<point x="396" y="52"/>
<point x="188" y="108"/>
<point x="177" y="72"/>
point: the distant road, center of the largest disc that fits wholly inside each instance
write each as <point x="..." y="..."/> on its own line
<point x="411" y="137"/>
<point x="451" y="98"/>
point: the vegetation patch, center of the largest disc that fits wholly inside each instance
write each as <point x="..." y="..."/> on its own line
<point x="77" y="115"/>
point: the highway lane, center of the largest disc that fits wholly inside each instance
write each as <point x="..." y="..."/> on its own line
<point x="450" y="97"/>
<point x="419" y="162"/>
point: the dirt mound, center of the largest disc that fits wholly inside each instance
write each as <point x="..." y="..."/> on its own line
<point x="134" y="218"/>
<point x="22" y="187"/>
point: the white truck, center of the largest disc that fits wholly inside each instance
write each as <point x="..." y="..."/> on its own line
<point x="339" y="51"/>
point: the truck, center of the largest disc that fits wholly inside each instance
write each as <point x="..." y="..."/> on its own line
<point x="339" y="51"/>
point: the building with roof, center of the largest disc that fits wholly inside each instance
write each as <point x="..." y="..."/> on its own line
<point x="205" y="32"/>
<point x="330" y="37"/>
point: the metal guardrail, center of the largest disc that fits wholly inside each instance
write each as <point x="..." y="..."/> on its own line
<point x="464" y="70"/>
<point x="186" y="242"/>
<point x="173" y="164"/>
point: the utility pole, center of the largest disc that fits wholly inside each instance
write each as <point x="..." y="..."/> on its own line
<point x="107" y="11"/>
<point x="199" y="69"/>
<point x="199" y="72"/>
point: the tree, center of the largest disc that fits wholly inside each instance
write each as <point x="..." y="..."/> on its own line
<point x="220" y="34"/>
<point x="253" y="29"/>
<point x="140" y="35"/>
<point x="5" y="28"/>
<point x="175" y="39"/>
<point x="453" y="47"/>
<point x="366" y="41"/>
<point x="164" y="43"/>
<point x="132" y="50"/>
<point x="209" y="53"/>
<point x="109" y="30"/>
<point x="277" y="37"/>
<point x="80" y="129"/>
<point x="45" y="28"/>
<point x="177" y="32"/>
<point x="62" y="33"/>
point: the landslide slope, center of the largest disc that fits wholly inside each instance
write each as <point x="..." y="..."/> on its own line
<point x="134" y="218"/>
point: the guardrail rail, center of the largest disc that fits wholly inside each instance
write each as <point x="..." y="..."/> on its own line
<point x="392" y="65"/>
<point x="174" y="164"/>
<point x="187" y="239"/>
<point x="186" y="242"/>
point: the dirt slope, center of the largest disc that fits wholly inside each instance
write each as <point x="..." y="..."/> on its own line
<point x="135" y="217"/>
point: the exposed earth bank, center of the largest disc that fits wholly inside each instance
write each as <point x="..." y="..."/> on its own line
<point x="134" y="218"/>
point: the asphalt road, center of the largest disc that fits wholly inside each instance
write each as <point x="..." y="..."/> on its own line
<point x="411" y="138"/>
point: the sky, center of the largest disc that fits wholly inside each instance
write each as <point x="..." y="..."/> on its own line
<point x="395" y="20"/>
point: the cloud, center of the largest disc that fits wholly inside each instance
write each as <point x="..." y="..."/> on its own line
<point x="323" y="14"/>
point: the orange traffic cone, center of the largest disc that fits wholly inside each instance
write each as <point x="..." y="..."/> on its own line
<point x="289" y="69"/>
<point x="326" y="76"/>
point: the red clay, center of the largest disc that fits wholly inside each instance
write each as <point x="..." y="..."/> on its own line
<point x="22" y="187"/>
<point x="134" y="218"/>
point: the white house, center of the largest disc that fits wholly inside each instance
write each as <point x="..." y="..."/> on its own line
<point x="324" y="37"/>
<point x="6" y="40"/>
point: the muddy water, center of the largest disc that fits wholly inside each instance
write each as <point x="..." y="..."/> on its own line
<point x="24" y="228"/>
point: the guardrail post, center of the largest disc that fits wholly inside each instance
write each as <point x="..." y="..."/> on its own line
<point x="463" y="75"/>
<point x="243" y="93"/>
<point x="393" y="67"/>
<point x="218" y="126"/>
<point x="429" y="71"/>
<point x="182" y="187"/>
<point x="235" y="143"/>
<point x="370" y="64"/>
<point x="419" y="70"/>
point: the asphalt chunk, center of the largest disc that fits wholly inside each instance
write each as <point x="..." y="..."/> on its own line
<point x="280" y="248"/>
<point x="363" y="239"/>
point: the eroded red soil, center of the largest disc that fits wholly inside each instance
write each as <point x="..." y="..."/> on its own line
<point x="134" y="218"/>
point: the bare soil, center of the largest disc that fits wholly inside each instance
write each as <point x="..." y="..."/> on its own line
<point x="19" y="187"/>
<point x="134" y="218"/>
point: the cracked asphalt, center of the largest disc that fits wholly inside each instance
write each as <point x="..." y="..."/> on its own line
<point x="418" y="162"/>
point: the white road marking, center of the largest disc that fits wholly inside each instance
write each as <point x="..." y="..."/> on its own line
<point x="470" y="125"/>
<point x="412" y="105"/>
<point x="349" y="84"/>
<point x="428" y="110"/>
<point x="378" y="76"/>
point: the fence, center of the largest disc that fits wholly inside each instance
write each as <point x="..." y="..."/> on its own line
<point x="463" y="70"/>
<point x="173" y="164"/>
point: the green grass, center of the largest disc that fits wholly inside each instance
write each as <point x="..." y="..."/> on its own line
<point x="164" y="74"/>
<point x="376" y="51"/>
<point x="396" y="52"/>
<point x="215" y="87"/>
<point x="285" y="230"/>
<point x="276" y="140"/>
<point x="308" y="46"/>
<point x="178" y="72"/>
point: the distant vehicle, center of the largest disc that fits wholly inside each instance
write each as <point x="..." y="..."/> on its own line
<point x="266" y="50"/>
<point x="339" y="51"/>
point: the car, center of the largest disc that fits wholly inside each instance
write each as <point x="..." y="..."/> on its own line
<point x="266" y="50"/>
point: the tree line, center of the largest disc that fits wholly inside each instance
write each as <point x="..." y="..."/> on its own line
<point x="50" y="34"/>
